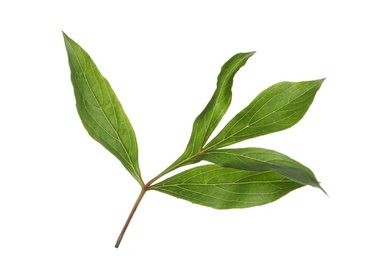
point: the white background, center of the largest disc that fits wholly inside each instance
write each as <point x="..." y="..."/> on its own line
<point x="63" y="196"/>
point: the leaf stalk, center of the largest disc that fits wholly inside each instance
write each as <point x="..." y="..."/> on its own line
<point x="140" y="196"/>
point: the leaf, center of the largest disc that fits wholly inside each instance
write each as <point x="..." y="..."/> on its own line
<point x="276" y="108"/>
<point x="240" y="178"/>
<point x="212" y="114"/>
<point x="226" y="188"/>
<point x="100" y="110"/>
<point x="258" y="159"/>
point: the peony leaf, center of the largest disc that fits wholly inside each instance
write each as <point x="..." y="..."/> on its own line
<point x="276" y="108"/>
<point x="100" y="110"/>
<point x="226" y="188"/>
<point x="259" y="159"/>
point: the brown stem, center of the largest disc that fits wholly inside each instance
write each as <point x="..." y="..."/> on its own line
<point x="130" y="216"/>
<point x="145" y="187"/>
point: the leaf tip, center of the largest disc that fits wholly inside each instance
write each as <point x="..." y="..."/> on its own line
<point x="67" y="40"/>
<point x="64" y="35"/>
<point x="319" y="186"/>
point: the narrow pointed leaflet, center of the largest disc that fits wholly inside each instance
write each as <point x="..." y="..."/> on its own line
<point x="226" y="188"/>
<point x="276" y="108"/>
<point x="100" y="110"/>
<point x="216" y="108"/>
<point x="259" y="159"/>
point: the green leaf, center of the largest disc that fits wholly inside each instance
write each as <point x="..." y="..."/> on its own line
<point x="226" y="188"/>
<point x="276" y="108"/>
<point x="100" y="110"/>
<point x="258" y="159"/>
<point x="212" y="114"/>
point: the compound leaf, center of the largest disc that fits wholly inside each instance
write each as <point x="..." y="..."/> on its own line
<point x="276" y="108"/>
<point x="100" y="110"/>
<point x="239" y="178"/>
<point x="226" y="188"/>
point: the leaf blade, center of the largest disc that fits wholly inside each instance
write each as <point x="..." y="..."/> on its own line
<point x="226" y="188"/>
<point x="259" y="159"/>
<point x="277" y="108"/>
<point x="206" y="122"/>
<point x="100" y="110"/>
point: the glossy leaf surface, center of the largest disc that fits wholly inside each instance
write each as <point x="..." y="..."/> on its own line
<point x="226" y="188"/>
<point x="100" y="110"/>
<point x="239" y="178"/>
<point x="276" y="108"/>
<point x="212" y="114"/>
<point x="259" y="159"/>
